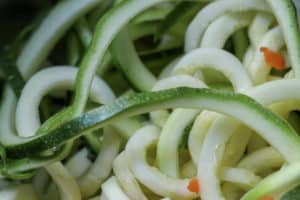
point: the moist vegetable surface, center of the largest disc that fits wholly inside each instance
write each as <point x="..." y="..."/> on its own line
<point x="153" y="99"/>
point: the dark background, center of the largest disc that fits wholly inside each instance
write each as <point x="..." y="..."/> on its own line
<point x="15" y="14"/>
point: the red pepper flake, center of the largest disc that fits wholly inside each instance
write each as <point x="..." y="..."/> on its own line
<point x="194" y="185"/>
<point x="274" y="59"/>
<point x="267" y="198"/>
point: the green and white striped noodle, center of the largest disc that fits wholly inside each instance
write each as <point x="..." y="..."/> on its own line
<point x="172" y="100"/>
<point x="119" y="16"/>
<point x="40" y="45"/>
<point x="276" y="182"/>
<point x="168" y="166"/>
<point x="60" y="77"/>
<point x="160" y="117"/>
<point x="210" y="156"/>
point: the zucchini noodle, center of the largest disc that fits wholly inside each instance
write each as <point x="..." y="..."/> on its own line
<point x="227" y="24"/>
<point x="126" y="179"/>
<point x="147" y="100"/>
<point x="214" y="10"/>
<point x="60" y="77"/>
<point x="257" y="68"/>
<point x="259" y="27"/>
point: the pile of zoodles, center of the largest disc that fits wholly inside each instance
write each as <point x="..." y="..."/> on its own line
<point x="153" y="99"/>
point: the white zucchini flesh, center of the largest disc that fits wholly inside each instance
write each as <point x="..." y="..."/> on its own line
<point x="286" y="16"/>
<point x="246" y="110"/>
<point x="58" y="21"/>
<point x="242" y="177"/>
<point x="111" y="190"/>
<point x="199" y="131"/>
<point x="221" y="29"/>
<point x="150" y="176"/>
<point x="213" y="147"/>
<point x="234" y="105"/>
<point x="261" y="160"/>
<point x="90" y="182"/>
<point x="181" y="80"/>
<point x="247" y="59"/>
<point x="217" y="59"/>
<point x="215" y="9"/>
<point x="68" y="187"/>
<point x="258" y="68"/>
<point x="276" y="182"/>
<point x="170" y="138"/>
<point x="60" y="77"/>
<point x="197" y="58"/>
<point x="119" y="16"/>
<point x="124" y="51"/>
<point x="173" y="129"/>
<point x="160" y="117"/>
<point x="78" y="163"/>
<point x="259" y="27"/>
<point x="211" y="155"/>
<point x="7" y="115"/>
<point x="236" y="146"/>
<point x="126" y="178"/>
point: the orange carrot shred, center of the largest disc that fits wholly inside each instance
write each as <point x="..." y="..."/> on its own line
<point x="274" y="59"/>
<point x="194" y="185"/>
<point x="267" y="198"/>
